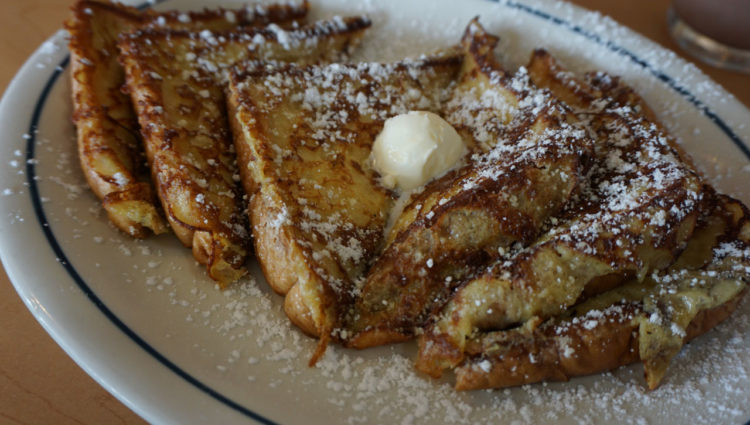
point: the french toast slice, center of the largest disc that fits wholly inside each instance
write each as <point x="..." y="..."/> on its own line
<point x="529" y="158"/>
<point x="176" y="80"/>
<point x="686" y="278"/>
<point x="303" y="137"/>
<point x="109" y="146"/>
<point x="647" y="321"/>
<point x="636" y="210"/>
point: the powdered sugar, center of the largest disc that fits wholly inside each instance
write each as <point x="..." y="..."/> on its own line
<point x="216" y="341"/>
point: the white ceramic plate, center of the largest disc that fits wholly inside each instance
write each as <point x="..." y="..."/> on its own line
<point x="144" y="320"/>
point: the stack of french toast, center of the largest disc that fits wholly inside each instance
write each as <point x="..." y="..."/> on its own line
<point x="574" y="236"/>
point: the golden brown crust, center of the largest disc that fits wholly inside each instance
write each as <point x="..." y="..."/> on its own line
<point x="107" y="131"/>
<point x="276" y="248"/>
<point x="133" y="210"/>
<point x="109" y="145"/>
<point x="314" y="242"/>
<point x="298" y="311"/>
<point x="458" y="223"/>
<point x="645" y="321"/>
<point x="545" y="355"/>
<point x="580" y="92"/>
<point x="636" y="210"/>
<point x="598" y="273"/>
<point x="558" y="353"/>
<point x="222" y="19"/>
<point x="176" y="80"/>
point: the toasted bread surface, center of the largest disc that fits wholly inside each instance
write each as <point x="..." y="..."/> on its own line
<point x="647" y="321"/>
<point x="573" y="204"/>
<point x="636" y="210"/>
<point x="176" y="80"/>
<point x="109" y="144"/>
<point x="107" y="129"/>
<point x="529" y="160"/>
<point x="304" y="136"/>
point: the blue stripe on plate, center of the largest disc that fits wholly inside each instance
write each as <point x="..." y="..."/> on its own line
<point x="610" y="45"/>
<point x="62" y="258"/>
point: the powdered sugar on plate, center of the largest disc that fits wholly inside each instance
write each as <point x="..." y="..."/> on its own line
<point x="239" y="343"/>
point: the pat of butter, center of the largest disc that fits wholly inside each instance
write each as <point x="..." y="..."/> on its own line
<point x="414" y="148"/>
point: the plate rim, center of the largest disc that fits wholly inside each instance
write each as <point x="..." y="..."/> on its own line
<point x="530" y="7"/>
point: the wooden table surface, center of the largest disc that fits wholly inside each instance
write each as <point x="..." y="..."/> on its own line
<point x="39" y="384"/>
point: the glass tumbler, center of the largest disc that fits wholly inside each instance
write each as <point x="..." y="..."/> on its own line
<point x="715" y="31"/>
